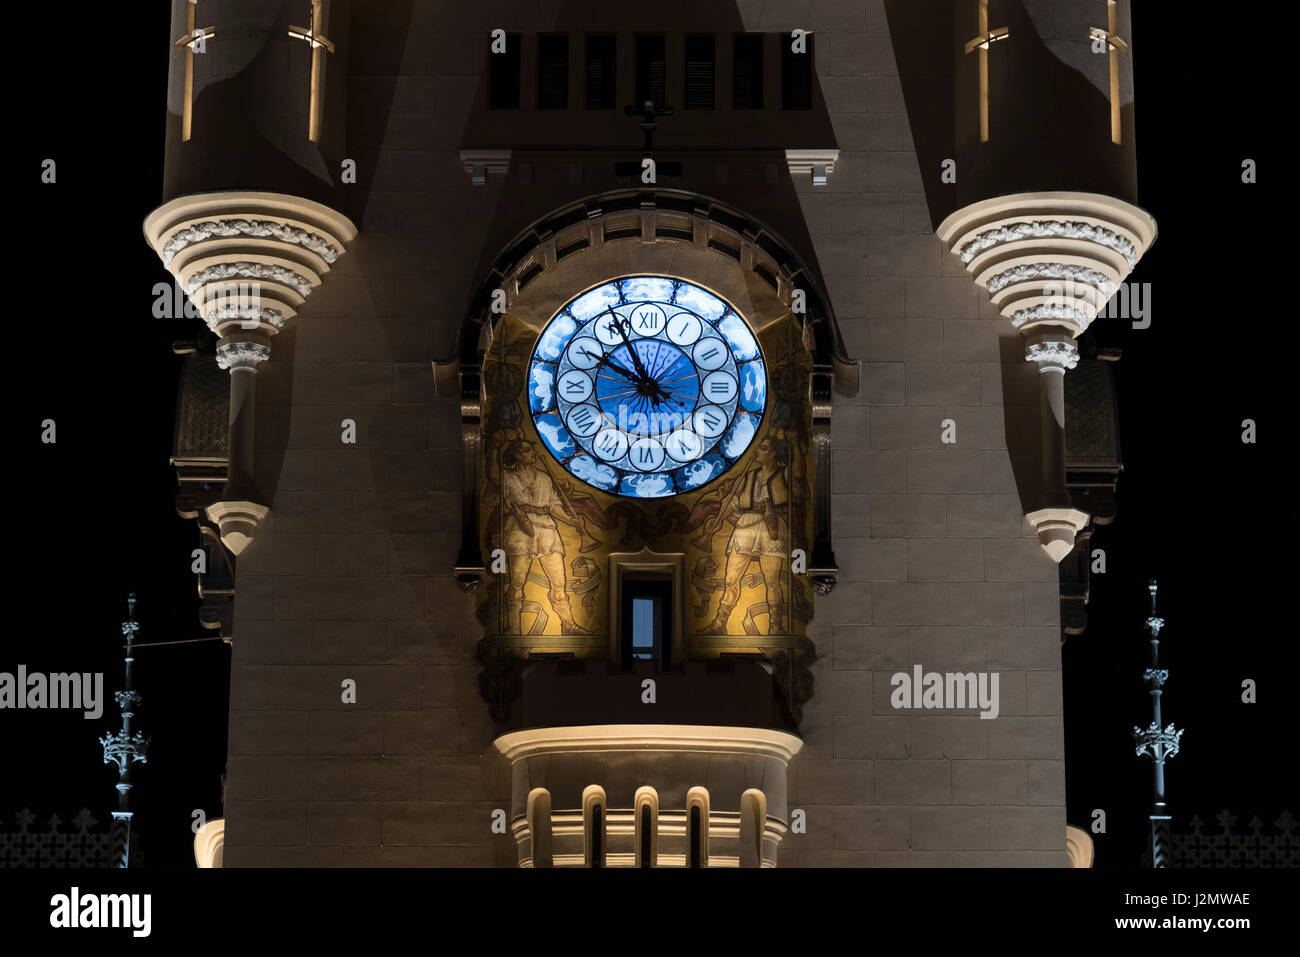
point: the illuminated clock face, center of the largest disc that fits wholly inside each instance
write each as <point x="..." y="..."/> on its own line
<point x="647" y="387"/>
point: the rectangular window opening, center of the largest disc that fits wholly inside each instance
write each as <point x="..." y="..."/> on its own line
<point x="651" y="72"/>
<point x="700" y="68"/>
<point x="553" y="72"/>
<point x="747" y="72"/>
<point x="601" y="72"/>
<point x="646" y="626"/>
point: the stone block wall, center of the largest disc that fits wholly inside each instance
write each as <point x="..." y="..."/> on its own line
<point x="350" y="577"/>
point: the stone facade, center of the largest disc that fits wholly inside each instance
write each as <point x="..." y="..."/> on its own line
<point x="349" y="576"/>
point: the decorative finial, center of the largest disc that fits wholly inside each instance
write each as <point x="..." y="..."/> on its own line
<point x="1154" y="621"/>
<point x="126" y="746"/>
<point x="1158" y="740"/>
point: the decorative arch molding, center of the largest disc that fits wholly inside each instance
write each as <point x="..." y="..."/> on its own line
<point x="595" y="826"/>
<point x="645" y="806"/>
<point x="753" y="824"/>
<point x="210" y="844"/>
<point x="539" y="827"/>
<point x="1078" y="846"/>
<point x="655" y="232"/>
<point x="697" y="827"/>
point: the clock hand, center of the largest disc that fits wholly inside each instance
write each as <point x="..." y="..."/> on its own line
<point x="606" y="360"/>
<point x="636" y="359"/>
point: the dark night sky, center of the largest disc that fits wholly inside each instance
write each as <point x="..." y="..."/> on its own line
<point x="95" y="518"/>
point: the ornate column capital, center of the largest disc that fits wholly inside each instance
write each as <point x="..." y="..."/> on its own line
<point x="242" y="353"/>
<point x="1052" y="352"/>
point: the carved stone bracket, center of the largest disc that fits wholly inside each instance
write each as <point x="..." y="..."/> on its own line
<point x="247" y="261"/>
<point x="1050" y="262"/>
<point x="479" y="163"/>
<point x="816" y="163"/>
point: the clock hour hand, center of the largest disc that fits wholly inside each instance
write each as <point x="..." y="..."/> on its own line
<point x="606" y="360"/>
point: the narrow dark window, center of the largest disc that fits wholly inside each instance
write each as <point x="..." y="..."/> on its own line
<point x="645" y="835"/>
<point x="796" y="76"/>
<point x="699" y="72"/>
<point x="503" y="75"/>
<point x="646" y="624"/>
<point x="697" y="837"/>
<point x="601" y="73"/>
<point x="597" y="836"/>
<point x="651" y="72"/>
<point x="553" y="72"/>
<point x="747" y="72"/>
<point x="643" y="628"/>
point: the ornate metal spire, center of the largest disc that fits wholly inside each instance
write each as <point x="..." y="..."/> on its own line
<point x="1160" y="744"/>
<point x="126" y="746"/>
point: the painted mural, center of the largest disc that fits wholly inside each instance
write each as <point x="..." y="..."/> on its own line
<point x="556" y="528"/>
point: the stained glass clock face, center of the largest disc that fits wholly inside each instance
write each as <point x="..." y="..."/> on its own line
<point x="647" y="387"/>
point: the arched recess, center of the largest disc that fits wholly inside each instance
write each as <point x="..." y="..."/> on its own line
<point x="595" y="810"/>
<point x="697" y="827"/>
<point x="753" y="821"/>
<point x="645" y="803"/>
<point x="539" y="827"/>
<point x="655" y="232"/>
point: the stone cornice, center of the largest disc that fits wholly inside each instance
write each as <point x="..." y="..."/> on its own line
<point x="649" y="737"/>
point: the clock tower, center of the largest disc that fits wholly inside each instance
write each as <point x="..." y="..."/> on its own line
<point x="616" y="399"/>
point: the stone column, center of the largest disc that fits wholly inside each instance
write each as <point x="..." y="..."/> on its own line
<point x="1050" y="263"/>
<point x="1057" y="520"/>
<point x="239" y="512"/>
<point x="248" y="262"/>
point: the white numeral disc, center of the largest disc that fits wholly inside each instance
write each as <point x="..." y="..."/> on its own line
<point x="610" y="444"/>
<point x="607" y="331"/>
<point x="585" y="420"/>
<point x="709" y="353"/>
<point x="718" y="388"/>
<point x="585" y="352"/>
<point x="684" y="445"/>
<point x="574" y="386"/>
<point x="683" y="329"/>
<point x="646" y="455"/>
<point x="710" y="421"/>
<point x="647" y="320"/>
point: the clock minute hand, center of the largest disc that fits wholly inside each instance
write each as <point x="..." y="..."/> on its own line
<point x="636" y="359"/>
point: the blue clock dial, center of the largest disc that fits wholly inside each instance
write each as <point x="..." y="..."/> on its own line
<point x="647" y="387"/>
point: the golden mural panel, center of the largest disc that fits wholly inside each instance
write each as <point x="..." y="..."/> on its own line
<point x="549" y="535"/>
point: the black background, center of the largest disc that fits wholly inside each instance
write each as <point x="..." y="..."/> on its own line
<point x="91" y="517"/>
